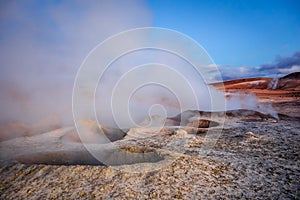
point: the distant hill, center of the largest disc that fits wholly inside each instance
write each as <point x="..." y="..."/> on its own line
<point x="284" y="89"/>
<point x="295" y="75"/>
<point x="288" y="82"/>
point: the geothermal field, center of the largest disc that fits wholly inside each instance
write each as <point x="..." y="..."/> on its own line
<point x="241" y="153"/>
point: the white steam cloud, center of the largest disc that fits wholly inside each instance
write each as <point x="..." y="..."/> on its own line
<point x="42" y="44"/>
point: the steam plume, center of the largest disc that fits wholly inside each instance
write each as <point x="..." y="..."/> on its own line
<point x="42" y="45"/>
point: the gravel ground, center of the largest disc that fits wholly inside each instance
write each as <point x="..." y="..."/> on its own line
<point x="251" y="160"/>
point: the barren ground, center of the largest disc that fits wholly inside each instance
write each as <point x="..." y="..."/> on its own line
<point x="254" y="158"/>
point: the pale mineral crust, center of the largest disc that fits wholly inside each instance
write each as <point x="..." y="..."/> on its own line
<point x="252" y="159"/>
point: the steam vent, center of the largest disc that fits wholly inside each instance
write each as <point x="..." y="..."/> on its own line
<point x="149" y="99"/>
<point x="194" y="153"/>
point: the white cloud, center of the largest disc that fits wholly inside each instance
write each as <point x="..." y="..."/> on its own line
<point x="294" y="68"/>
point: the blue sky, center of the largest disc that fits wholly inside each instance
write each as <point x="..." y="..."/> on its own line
<point x="236" y="33"/>
<point x="245" y="38"/>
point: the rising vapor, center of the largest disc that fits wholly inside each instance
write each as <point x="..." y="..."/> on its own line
<point x="42" y="45"/>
